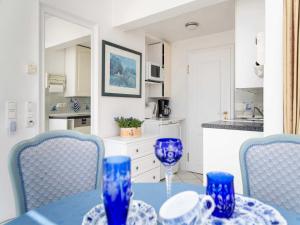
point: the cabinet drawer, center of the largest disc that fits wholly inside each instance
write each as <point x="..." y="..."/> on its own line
<point x="141" y="149"/>
<point x="144" y="164"/>
<point x="152" y="176"/>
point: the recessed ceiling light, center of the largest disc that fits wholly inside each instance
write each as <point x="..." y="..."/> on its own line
<point x="191" y="25"/>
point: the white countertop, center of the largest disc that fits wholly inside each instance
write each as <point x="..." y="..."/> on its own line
<point x="164" y="120"/>
<point x="130" y="139"/>
<point x="67" y="115"/>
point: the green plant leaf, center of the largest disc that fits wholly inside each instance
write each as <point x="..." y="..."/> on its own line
<point x="128" y="122"/>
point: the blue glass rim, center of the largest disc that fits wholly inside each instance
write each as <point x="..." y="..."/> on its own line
<point x="117" y="160"/>
<point x="168" y="140"/>
<point x="219" y="176"/>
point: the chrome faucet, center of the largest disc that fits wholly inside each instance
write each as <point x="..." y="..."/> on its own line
<point x="258" y="110"/>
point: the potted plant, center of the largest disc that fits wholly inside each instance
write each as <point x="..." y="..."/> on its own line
<point x="129" y="127"/>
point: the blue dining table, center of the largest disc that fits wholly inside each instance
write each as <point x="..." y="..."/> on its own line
<point x="70" y="210"/>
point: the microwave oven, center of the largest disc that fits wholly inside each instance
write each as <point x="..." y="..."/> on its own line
<point x="154" y="72"/>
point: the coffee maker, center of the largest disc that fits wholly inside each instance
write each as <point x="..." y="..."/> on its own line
<point x="164" y="110"/>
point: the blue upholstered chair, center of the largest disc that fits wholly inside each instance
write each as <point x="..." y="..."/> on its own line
<point x="53" y="165"/>
<point x="271" y="170"/>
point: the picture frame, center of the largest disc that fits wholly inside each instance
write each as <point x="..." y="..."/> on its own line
<point x="121" y="71"/>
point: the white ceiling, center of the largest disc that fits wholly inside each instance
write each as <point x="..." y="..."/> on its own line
<point x="212" y="19"/>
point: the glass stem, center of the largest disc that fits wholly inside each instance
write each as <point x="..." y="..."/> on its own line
<point x="169" y="174"/>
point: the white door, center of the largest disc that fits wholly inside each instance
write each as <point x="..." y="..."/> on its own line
<point x="209" y="95"/>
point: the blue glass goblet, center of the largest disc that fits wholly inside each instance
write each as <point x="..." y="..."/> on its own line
<point x="220" y="187"/>
<point x="116" y="189"/>
<point x="168" y="151"/>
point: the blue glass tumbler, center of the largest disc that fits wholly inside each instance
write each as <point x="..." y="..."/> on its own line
<point x="168" y="151"/>
<point x="116" y="189"/>
<point x="220" y="187"/>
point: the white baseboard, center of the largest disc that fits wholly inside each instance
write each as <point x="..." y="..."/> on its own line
<point x="6" y="221"/>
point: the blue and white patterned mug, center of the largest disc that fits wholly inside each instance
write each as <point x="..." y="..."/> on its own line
<point x="186" y="208"/>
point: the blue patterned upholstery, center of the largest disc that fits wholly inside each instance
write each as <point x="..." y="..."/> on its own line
<point x="54" y="165"/>
<point x="271" y="170"/>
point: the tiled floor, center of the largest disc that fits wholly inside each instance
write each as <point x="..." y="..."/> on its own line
<point x="187" y="177"/>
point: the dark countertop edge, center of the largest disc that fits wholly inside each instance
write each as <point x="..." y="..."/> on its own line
<point x="70" y="117"/>
<point x="245" y="127"/>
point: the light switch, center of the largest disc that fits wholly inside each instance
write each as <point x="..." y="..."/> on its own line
<point x="11" y="117"/>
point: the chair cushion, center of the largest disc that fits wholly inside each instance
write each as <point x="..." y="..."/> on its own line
<point x="57" y="167"/>
<point x="274" y="173"/>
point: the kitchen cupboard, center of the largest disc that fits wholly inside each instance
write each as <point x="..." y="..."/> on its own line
<point x="221" y="149"/>
<point x="145" y="167"/>
<point x="167" y="69"/>
<point x="250" y="20"/>
<point x="78" y="71"/>
<point x="160" y="53"/>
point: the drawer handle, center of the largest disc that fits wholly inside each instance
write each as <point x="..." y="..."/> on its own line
<point x="154" y="177"/>
<point x="154" y="161"/>
<point x="137" y="150"/>
<point x="137" y="168"/>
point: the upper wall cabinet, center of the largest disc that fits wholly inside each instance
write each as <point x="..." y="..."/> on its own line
<point x="250" y="20"/>
<point x="167" y="70"/>
<point x="160" y="53"/>
<point x="78" y="71"/>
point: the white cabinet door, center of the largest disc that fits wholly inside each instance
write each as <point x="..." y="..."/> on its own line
<point x="58" y="124"/>
<point x="83" y="71"/>
<point x="78" y="71"/>
<point x="167" y="70"/>
<point x="209" y="94"/>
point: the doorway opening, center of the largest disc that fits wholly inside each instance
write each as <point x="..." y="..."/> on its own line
<point x="69" y="68"/>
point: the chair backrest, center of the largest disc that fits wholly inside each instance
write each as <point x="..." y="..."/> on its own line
<point x="53" y="165"/>
<point x="271" y="170"/>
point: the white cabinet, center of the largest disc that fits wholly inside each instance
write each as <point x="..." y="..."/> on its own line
<point x="145" y="167"/>
<point x="160" y="53"/>
<point x="167" y="69"/>
<point x="58" y="124"/>
<point x="78" y="71"/>
<point x="250" y="20"/>
<point x="221" y="149"/>
<point x="167" y="128"/>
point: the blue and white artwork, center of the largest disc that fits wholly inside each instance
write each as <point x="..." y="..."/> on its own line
<point x="122" y="71"/>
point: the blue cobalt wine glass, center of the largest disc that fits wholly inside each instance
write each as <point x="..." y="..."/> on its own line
<point x="220" y="187"/>
<point x="169" y="152"/>
<point x="116" y="189"/>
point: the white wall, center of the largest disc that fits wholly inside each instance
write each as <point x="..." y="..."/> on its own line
<point x="100" y="12"/>
<point x="180" y="51"/>
<point x="19" y="46"/>
<point x="248" y="95"/>
<point x="59" y="31"/>
<point x="273" y="78"/>
<point x="249" y="20"/>
<point x="131" y="14"/>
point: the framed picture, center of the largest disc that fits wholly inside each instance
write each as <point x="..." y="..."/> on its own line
<point x="121" y="71"/>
